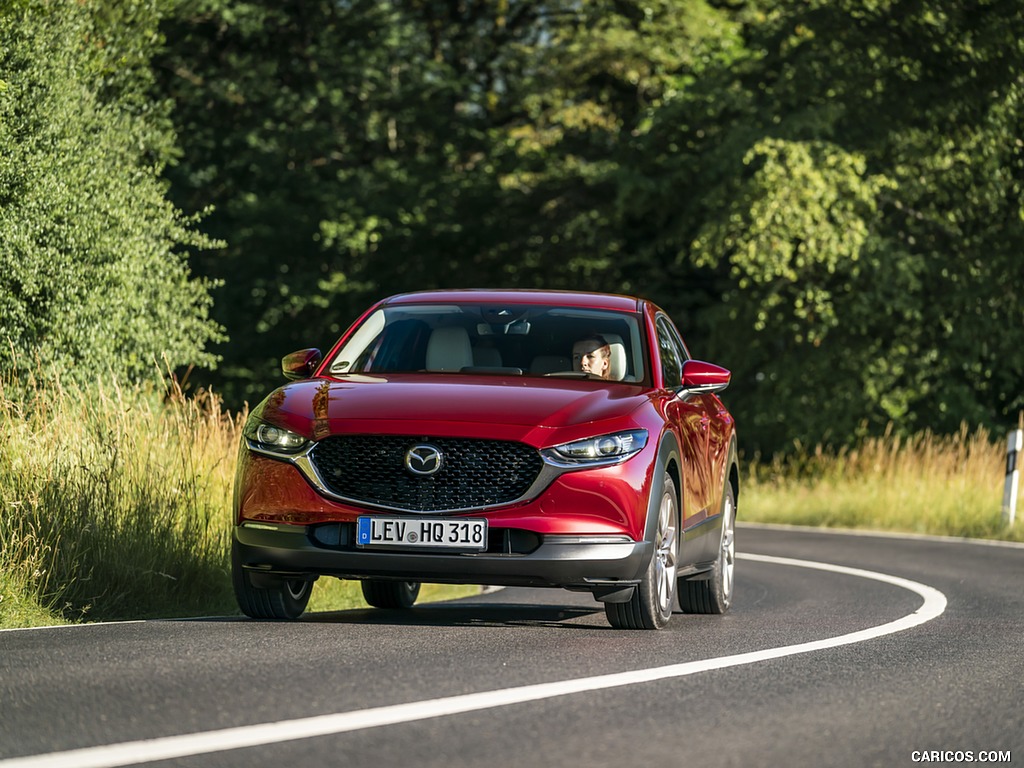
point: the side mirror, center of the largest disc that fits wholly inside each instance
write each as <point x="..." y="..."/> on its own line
<point x="700" y="378"/>
<point x="301" y="364"/>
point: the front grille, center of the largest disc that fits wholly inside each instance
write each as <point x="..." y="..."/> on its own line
<point x="475" y="473"/>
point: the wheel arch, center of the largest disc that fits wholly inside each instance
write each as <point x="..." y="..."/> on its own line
<point x="668" y="458"/>
<point x="733" y="472"/>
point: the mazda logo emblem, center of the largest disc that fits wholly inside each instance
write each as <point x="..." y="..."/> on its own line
<point x="424" y="459"/>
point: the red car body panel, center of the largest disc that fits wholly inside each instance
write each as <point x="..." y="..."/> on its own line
<point x="581" y="299"/>
<point x="447" y="399"/>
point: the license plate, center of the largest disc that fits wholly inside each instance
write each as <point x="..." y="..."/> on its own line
<point x="467" y="535"/>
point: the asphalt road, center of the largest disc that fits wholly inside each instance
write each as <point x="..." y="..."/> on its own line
<point x="950" y="687"/>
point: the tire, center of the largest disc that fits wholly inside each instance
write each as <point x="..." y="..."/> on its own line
<point x="278" y="599"/>
<point x="714" y="594"/>
<point x="381" y="593"/>
<point x="650" y="607"/>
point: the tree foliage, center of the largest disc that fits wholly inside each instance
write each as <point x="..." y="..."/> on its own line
<point x="93" y="274"/>
<point x="853" y="183"/>
<point x="826" y="194"/>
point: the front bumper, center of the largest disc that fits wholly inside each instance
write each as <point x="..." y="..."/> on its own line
<point x="601" y="566"/>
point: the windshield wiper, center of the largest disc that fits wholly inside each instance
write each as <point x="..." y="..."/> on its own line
<point x="574" y="375"/>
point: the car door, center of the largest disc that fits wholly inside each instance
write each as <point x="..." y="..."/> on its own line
<point x="690" y="421"/>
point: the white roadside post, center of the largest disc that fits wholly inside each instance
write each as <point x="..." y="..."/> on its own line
<point x="1013" y="447"/>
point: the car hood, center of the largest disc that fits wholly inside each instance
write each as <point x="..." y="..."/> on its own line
<point x="456" y="403"/>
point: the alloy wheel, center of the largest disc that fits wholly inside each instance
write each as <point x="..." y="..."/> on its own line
<point x="666" y="553"/>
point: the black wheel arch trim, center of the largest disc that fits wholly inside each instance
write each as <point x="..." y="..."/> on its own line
<point x="732" y="472"/>
<point x="668" y="452"/>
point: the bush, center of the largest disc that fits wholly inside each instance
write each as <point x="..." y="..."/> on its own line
<point x="93" y="271"/>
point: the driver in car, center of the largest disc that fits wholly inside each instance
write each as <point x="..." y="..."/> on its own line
<point x="592" y="355"/>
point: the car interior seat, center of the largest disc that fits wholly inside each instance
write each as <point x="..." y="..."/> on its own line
<point x="449" y="349"/>
<point x="617" y="367"/>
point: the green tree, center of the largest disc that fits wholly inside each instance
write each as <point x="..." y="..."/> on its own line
<point x="93" y="267"/>
<point x="852" y="187"/>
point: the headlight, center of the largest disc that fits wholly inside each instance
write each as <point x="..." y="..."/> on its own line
<point x="270" y="439"/>
<point x="604" y="449"/>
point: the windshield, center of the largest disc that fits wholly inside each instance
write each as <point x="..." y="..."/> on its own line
<point x="491" y="339"/>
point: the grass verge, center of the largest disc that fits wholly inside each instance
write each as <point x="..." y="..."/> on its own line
<point x="931" y="484"/>
<point x="114" y="502"/>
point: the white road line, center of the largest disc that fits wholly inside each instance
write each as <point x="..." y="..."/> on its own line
<point x="874" y="534"/>
<point x="76" y="626"/>
<point x="150" y="750"/>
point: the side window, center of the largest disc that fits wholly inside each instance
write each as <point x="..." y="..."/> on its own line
<point x="672" y="356"/>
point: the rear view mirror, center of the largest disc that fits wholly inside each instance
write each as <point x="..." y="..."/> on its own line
<point x="700" y="378"/>
<point x="301" y="364"/>
<point x="515" y="328"/>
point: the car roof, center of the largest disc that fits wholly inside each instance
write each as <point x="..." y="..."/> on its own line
<point x="609" y="301"/>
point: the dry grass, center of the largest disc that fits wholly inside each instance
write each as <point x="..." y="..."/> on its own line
<point x="113" y="502"/>
<point x="944" y="485"/>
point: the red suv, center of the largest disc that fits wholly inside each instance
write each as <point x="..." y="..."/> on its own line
<point x="532" y="438"/>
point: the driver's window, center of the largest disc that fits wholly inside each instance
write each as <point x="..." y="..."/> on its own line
<point x="671" y="356"/>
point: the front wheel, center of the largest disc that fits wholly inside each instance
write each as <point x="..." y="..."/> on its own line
<point x="714" y="594"/>
<point x="381" y="593"/>
<point x="651" y="604"/>
<point x="275" y="598"/>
